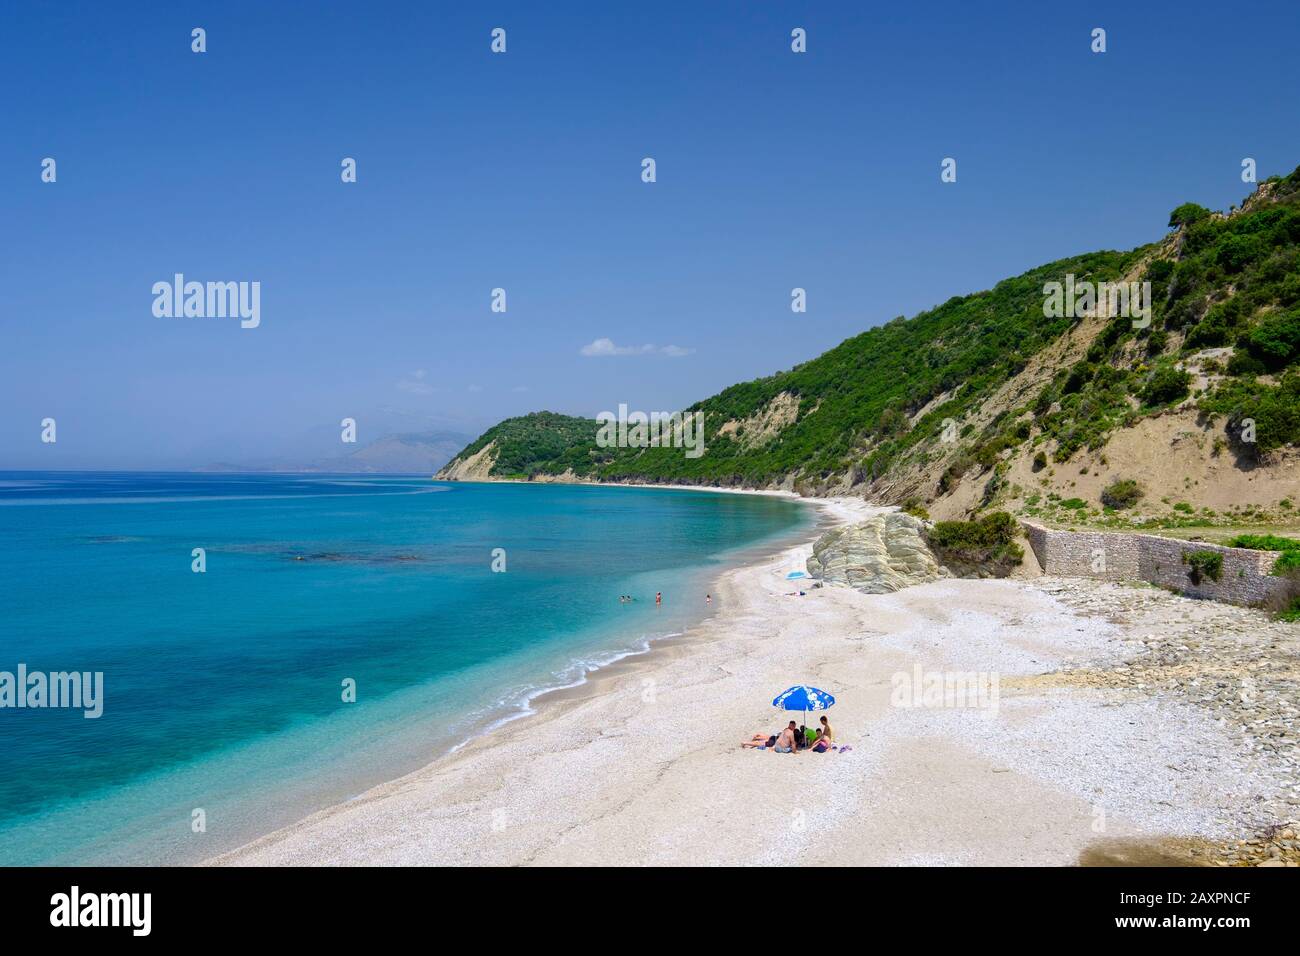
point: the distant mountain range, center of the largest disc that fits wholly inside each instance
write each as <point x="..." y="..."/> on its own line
<point x="1005" y="399"/>
<point x="407" y="454"/>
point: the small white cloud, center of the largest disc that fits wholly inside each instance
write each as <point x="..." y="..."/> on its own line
<point x="520" y="388"/>
<point x="415" y="384"/>
<point x="476" y="388"/>
<point x="601" y="348"/>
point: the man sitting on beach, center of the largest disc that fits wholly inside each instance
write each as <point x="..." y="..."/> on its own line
<point x="786" y="744"/>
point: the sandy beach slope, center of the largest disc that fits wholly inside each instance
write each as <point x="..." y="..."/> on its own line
<point x="641" y="766"/>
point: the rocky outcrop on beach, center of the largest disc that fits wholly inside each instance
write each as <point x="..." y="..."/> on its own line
<point x="884" y="553"/>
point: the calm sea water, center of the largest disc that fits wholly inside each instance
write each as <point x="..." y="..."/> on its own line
<point x="223" y="690"/>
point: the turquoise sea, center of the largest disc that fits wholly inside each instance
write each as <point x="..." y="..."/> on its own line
<point x="223" y="690"/>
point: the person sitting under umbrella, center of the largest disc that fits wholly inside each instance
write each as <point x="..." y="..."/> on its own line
<point x="825" y="737"/>
<point x="786" y="743"/>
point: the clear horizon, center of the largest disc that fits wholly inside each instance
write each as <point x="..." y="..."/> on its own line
<point x="522" y="171"/>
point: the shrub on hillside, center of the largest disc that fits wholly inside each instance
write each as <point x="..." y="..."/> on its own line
<point x="954" y="472"/>
<point x="1219" y="326"/>
<point x="1275" y="342"/>
<point x="1203" y="564"/>
<point x="1166" y="385"/>
<point x="982" y="548"/>
<point x="1243" y="363"/>
<point x="1123" y="493"/>
<point x="1078" y="377"/>
<point x="893" y="421"/>
<point x="916" y="508"/>
<point x="1237" y="252"/>
<point x="1159" y="273"/>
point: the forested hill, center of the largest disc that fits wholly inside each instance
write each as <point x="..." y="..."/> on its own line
<point x="965" y="394"/>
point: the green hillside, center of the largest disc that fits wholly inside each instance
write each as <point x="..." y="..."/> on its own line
<point x="539" y="443"/>
<point x="877" y="402"/>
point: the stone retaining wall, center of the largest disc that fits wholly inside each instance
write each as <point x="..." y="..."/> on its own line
<point x="1124" y="556"/>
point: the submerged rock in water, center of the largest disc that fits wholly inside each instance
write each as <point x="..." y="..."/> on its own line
<point x="886" y="552"/>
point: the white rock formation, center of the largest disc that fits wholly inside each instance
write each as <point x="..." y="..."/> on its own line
<point x="884" y="553"/>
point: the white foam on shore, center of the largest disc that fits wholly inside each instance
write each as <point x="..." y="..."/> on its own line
<point x="519" y="704"/>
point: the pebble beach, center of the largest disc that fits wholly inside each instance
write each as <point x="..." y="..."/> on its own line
<point x="1126" y="721"/>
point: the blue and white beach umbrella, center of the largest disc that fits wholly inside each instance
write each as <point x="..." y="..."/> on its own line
<point x="801" y="697"/>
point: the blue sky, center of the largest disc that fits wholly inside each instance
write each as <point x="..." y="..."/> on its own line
<point x="522" y="171"/>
